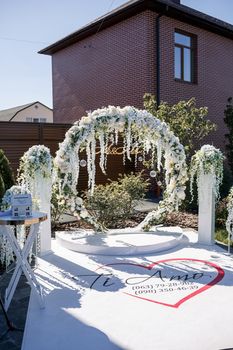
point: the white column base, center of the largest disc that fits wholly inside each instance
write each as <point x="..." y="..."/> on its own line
<point x="45" y="233"/>
<point x="42" y="191"/>
<point x="206" y="210"/>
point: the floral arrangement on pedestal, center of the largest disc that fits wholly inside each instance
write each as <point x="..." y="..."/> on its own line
<point x="141" y="132"/>
<point x="35" y="168"/>
<point x="6" y="252"/>
<point x="208" y="160"/>
<point x="35" y="173"/>
<point x="36" y="162"/>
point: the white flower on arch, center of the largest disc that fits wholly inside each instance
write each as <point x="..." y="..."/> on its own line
<point x="139" y="128"/>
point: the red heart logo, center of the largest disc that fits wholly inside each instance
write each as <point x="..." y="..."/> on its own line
<point x="166" y="290"/>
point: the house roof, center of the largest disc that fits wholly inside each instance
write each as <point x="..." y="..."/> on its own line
<point x="132" y="7"/>
<point x="10" y="113"/>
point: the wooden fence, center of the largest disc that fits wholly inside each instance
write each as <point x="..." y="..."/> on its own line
<point x="17" y="138"/>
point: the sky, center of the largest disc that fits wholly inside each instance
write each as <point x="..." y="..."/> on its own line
<point x="27" y="26"/>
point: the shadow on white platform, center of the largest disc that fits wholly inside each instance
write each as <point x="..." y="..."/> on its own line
<point x="127" y="241"/>
<point x="160" y="301"/>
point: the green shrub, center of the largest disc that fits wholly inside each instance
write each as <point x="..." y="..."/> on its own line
<point x="108" y="205"/>
<point x="2" y="187"/>
<point x="7" y="178"/>
<point x="221" y="213"/>
<point x="185" y="119"/>
<point x="227" y="182"/>
<point x="221" y="235"/>
<point x="112" y="204"/>
<point x="135" y="185"/>
<point x="190" y="204"/>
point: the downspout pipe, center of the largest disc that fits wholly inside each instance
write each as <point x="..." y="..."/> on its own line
<point x="158" y="58"/>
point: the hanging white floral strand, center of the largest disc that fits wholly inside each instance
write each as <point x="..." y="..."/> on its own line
<point x="124" y="150"/>
<point x="144" y="150"/>
<point x="106" y="151"/>
<point x="159" y="154"/>
<point x="153" y="153"/>
<point x="136" y="154"/>
<point x="128" y="140"/>
<point x="89" y="170"/>
<point x="102" y="152"/>
<point x="77" y="166"/>
<point x="93" y="152"/>
<point x="116" y="136"/>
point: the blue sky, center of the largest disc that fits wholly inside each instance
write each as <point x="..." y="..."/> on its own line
<point x="26" y="26"/>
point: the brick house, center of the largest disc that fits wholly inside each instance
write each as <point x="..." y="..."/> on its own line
<point x="156" y="46"/>
<point x="34" y="112"/>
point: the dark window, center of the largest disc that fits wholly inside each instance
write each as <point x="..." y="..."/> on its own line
<point x="185" y="54"/>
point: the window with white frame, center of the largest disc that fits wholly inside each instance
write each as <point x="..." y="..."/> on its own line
<point x="36" y="120"/>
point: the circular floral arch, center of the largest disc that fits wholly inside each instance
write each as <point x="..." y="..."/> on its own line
<point x="141" y="131"/>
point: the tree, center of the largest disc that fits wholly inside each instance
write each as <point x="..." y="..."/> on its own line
<point x="6" y="174"/>
<point x="2" y="187"/>
<point x="228" y="119"/>
<point x="188" y="122"/>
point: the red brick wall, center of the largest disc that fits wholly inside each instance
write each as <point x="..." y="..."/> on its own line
<point x="114" y="67"/>
<point x="117" y="66"/>
<point x="214" y="78"/>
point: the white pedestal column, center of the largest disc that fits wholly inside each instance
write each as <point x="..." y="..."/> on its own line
<point x="45" y="227"/>
<point x="42" y="191"/>
<point x="206" y="210"/>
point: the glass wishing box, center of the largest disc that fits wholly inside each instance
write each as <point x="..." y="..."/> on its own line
<point x="21" y="205"/>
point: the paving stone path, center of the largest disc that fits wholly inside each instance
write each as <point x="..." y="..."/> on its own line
<point x="17" y="313"/>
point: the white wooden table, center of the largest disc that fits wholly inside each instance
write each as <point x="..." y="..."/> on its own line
<point x="22" y="265"/>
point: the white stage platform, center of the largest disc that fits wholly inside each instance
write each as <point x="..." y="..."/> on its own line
<point x="128" y="241"/>
<point x="178" y="300"/>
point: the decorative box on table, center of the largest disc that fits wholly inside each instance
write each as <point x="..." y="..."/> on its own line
<point x="21" y="205"/>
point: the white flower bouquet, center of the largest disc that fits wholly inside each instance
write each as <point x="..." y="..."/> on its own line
<point x="36" y="160"/>
<point x="208" y="160"/>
